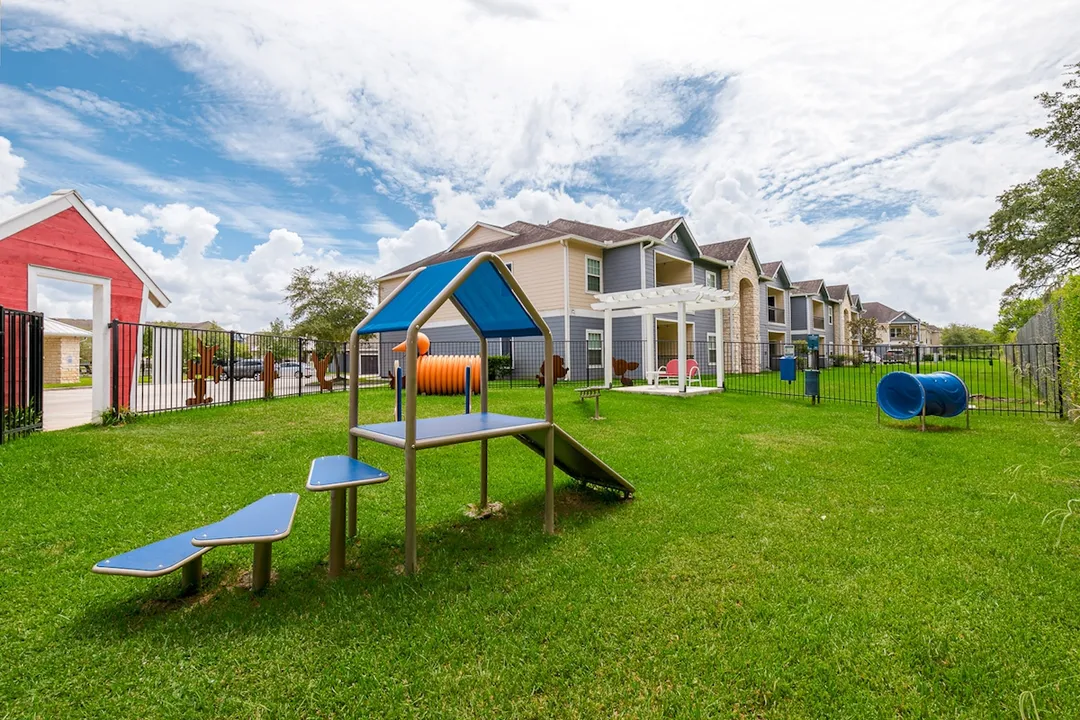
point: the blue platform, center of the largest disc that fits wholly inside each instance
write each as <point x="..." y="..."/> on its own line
<point x="158" y="558"/>
<point x="266" y="520"/>
<point x="341" y="471"/>
<point x="450" y="429"/>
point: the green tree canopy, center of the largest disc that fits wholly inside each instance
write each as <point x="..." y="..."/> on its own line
<point x="864" y="330"/>
<point x="1013" y="314"/>
<point x="1036" y="228"/>
<point x="956" y="334"/>
<point x="329" y="306"/>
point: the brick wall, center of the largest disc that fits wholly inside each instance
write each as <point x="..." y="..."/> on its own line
<point x="61" y="360"/>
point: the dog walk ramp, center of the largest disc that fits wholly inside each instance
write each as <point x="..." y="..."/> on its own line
<point x="576" y="461"/>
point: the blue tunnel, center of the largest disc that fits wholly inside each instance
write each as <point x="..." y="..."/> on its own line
<point x="902" y="395"/>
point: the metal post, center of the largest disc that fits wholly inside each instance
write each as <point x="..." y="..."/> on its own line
<point x="3" y="371"/>
<point x="300" y="366"/>
<point x="260" y="566"/>
<point x="354" y="388"/>
<point x="232" y="362"/>
<point x="1057" y="378"/>
<point x="549" y="444"/>
<point x="410" y="449"/>
<point x="337" y="532"/>
<point x="115" y="364"/>
<point x="191" y="577"/>
<point x="483" y="409"/>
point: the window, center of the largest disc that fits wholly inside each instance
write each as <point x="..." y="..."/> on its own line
<point x="710" y="343"/>
<point x="592" y="275"/>
<point x="710" y="278"/>
<point x="594" y="348"/>
<point x="830" y="314"/>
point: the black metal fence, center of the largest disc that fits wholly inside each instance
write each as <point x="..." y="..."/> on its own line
<point x="1008" y="378"/>
<point x="22" y="352"/>
<point x="157" y="368"/>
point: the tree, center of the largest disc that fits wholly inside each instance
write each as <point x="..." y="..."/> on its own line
<point x="864" y="331"/>
<point x="330" y="306"/>
<point x="956" y="334"/>
<point x="1013" y="314"/>
<point x="1036" y="229"/>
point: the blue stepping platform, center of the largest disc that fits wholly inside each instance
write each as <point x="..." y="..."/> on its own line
<point x="451" y="429"/>
<point x="266" y="520"/>
<point x="341" y="471"/>
<point x="155" y="559"/>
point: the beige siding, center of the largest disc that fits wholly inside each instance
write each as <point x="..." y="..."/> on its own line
<point x="481" y="235"/>
<point x="538" y="270"/>
<point x="580" y="298"/>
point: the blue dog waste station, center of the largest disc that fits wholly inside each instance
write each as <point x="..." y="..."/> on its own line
<point x="811" y="379"/>
<point x="787" y="364"/>
<point x="903" y="396"/>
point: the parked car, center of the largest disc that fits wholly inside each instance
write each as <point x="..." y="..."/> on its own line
<point x="242" y="369"/>
<point x="291" y="368"/>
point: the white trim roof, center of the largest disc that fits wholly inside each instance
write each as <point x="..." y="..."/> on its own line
<point x="655" y="300"/>
<point x="55" y="328"/>
<point x="61" y="200"/>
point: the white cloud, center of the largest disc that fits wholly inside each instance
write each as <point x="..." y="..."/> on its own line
<point x="90" y="103"/>
<point x="819" y="118"/>
<point x="10" y="167"/>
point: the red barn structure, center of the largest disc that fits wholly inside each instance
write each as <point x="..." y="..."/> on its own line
<point x="60" y="238"/>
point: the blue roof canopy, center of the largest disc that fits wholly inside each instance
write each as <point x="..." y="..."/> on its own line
<point x="484" y="295"/>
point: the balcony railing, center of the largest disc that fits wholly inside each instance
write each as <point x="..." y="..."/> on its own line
<point x="776" y="315"/>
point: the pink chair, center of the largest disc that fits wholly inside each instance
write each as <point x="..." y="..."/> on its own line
<point x="670" y="372"/>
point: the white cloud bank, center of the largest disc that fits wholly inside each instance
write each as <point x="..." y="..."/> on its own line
<point x="793" y="122"/>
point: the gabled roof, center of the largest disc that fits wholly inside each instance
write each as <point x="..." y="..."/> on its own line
<point x="488" y="301"/>
<point x="60" y="201"/>
<point x="727" y="251"/>
<point x="770" y="269"/>
<point x="519" y="234"/>
<point x="837" y="292"/>
<point x="55" y="328"/>
<point x="880" y="312"/>
<point x="592" y="232"/>
<point x="657" y="230"/>
<point x="474" y="226"/>
<point x="809" y="287"/>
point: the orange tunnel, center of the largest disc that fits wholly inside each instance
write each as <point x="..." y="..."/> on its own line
<point x="443" y="374"/>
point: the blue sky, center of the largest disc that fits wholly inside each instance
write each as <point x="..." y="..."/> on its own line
<point x="227" y="144"/>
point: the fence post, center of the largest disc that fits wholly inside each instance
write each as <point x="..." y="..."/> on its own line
<point x="1057" y="378"/>
<point x="918" y="358"/>
<point x="300" y="366"/>
<point x="114" y="365"/>
<point x="3" y="374"/>
<point x="232" y="362"/>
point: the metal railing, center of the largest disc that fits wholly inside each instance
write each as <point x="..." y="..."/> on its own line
<point x="776" y="315"/>
<point x="158" y="368"/>
<point x="22" y="352"/>
<point x="1019" y="379"/>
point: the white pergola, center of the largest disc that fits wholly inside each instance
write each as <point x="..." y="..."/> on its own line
<point x="679" y="299"/>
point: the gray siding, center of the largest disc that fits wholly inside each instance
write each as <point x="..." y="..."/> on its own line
<point x="622" y="268"/>
<point x="766" y="326"/>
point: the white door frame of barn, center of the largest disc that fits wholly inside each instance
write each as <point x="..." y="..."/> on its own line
<point x="102" y="287"/>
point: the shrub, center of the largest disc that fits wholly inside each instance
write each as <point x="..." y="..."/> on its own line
<point x="498" y="367"/>
<point x="112" y="417"/>
<point x="21" y="417"/>
<point x="1068" y="324"/>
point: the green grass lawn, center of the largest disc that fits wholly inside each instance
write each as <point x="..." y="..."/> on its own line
<point x="778" y="561"/>
<point x="83" y="382"/>
<point x="994" y="385"/>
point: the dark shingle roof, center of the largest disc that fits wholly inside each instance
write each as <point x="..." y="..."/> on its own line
<point x="836" y="292"/>
<point x="526" y="234"/>
<point x="77" y="322"/>
<point x="807" y="287"/>
<point x="770" y="269"/>
<point x="880" y="312"/>
<point x="727" y="251"/>
<point x="592" y="232"/>
<point x="657" y="229"/>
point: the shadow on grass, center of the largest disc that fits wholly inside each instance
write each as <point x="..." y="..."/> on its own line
<point x="914" y="427"/>
<point x="452" y="554"/>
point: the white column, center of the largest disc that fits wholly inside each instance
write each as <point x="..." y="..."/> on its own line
<point x="650" y="345"/>
<point x="720" y="348"/>
<point x="682" y="346"/>
<point x="607" y="347"/>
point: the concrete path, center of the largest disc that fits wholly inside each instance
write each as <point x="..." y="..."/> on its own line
<point x="67" y="408"/>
